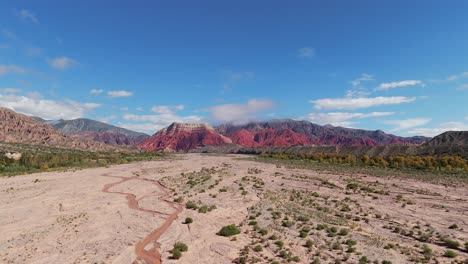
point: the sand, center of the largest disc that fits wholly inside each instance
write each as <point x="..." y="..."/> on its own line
<point x="127" y="214"/>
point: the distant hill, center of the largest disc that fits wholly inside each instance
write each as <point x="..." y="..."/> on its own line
<point x="19" y="128"/>
<point x="98" y="131"/>
<point x="449" y="139"/>
<point x="317" y="134"/>
<point x="183" y="137"/>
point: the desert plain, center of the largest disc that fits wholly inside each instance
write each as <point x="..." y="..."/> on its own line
<point x="135" y="213"/>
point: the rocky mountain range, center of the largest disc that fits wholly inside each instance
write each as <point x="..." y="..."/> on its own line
<point x="90" y="135"/>
<point x="279" y="133"/>
<point x="19" y="128"/>
<point x="449" y="139"/>
<point x="317" y="134"/>
<point x="96" y="131"/>
<point x="182" y="137"/>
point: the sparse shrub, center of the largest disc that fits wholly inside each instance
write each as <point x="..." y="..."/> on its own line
<point x="451" y="243"/>
<point x="203" y="209"/>
<point x="363" y="260"/>
<point x="191" y="205"/>
<point x="188" y="220"/>
<point x="279" y="243"/>
<point x="453" y="226"/>
<point x="427" y="252"/>
<point x="263" y="232"/>
<point x="343" y="232"/>
<point x="258" y="248"/>
<point x="351" y="242"/>
<point x="309" y="243"/>
<point x="181" y="246"/>
<point x="296" y="259"/>
<point x="253" y="223"/>
<point x="450" y="254"/>
<point x="229" y="230"/>
<point x="176" y="254"/>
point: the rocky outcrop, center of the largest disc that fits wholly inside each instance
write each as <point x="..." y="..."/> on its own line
<point x="183" y="137"/>
<point x="19" y="128"/>
<point x="98" y="131"/>
<point x="449" y="139"/>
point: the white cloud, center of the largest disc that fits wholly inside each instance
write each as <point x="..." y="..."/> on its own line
<point x="363" y="78"/>
<point x="120" y="93"/>
<point x="8" y="69"/>
<point x="462" y="87"/>
<point x="434" y="131"/>
<point x="62" y="63"/>
<point x="27" y="16"/>
<point x="240" y="113"/>
<point x="152" y="123"/>
<point x="306" y="52"/>
<point x="342" y="118"/>
<point x="357" y="93"/>
<point x="457" y="76"/>
<point x="96" y="91"/>
<point x="407" y="123"/>
<point x="391" y="85"/>
<point x="167" y="109"/>
<point x="356" y="103"/>
<point x="139" y="108"/>
<point x="10" y="90"/>
<point x="107" y="119"/>
<point x="47" y="109"/>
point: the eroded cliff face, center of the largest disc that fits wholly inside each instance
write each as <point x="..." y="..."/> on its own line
<point x="183" y="137"/>
<point x="19" y="128"/>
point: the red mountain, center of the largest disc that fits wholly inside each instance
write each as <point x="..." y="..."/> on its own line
<point x="319" y="135"/>
<point x="183" y="137"/>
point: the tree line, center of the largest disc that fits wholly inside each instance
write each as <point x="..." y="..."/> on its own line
<point x="442" y="163"/>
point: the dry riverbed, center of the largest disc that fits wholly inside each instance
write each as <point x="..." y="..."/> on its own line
<point x="135" y="213"/>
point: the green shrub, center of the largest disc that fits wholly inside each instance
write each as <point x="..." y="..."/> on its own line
<point x="450" y="254"/>
<point x="258" y="248"/>
<point x="229" y="230"/>
<point x="279" y="243"/>
<point x="309" y="243"/>
<point x="343" y="232"/>
<point x="176" y="254"/>
<point x="451" y="243"/>
<point x="188" y="220"/>
<point x="263" y="232"/>
<point x="363" y="260"/>
<point x="180" y="246"/>
<point x="191" y="205"/>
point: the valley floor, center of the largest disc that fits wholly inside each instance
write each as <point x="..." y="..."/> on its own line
<point x="131" y="214"/>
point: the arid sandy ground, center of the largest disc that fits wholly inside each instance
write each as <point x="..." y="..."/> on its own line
<point x="114" y="215"/>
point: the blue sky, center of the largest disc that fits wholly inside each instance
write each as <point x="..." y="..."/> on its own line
<point x="399" y="66"/>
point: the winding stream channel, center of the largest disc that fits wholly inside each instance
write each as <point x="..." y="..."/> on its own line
<point x="152" y="255"/>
